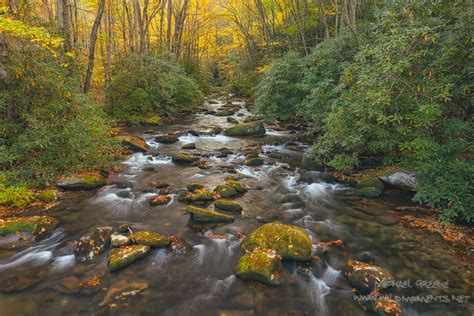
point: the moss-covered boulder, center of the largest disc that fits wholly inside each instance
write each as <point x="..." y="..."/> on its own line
<point x="238" y="186"/>
<point x="167" y="139"/>
<point x="226" y="191"/>
<point x="134" y="143"/>
<point x="228" y="206"/>
<point x="119" y="240"/>
<point x="288" y="241"/>
<point x="89" y="247"/>
<point x="368" y="192"/>
<point x="18" y="232"/>
<point x="367" y="277"/>
<point x="370" y="182"/>
<point x="189" y="146"/>
<point x="232" y="120"/>
<point x="246" y="129"/>
<point x="208" y="216"/>
<point x="119" y="258"/>
<point x="183" y="159"/>
<point x="225" y="112"/>
<point x="88" y="181"/>
<point x="151" y="239"/>
<point x="199" y="196"/>
<point x="262" y="265"/>
<point x="159" y="200"/>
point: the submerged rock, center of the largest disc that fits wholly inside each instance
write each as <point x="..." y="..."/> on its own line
<point x="208" y="216"/>
<point x="232" y="120"/>
<point x="183" y="159"/>
<point x="370" y="181"/>
<point x="119" y="258"/>
<point x="246" y="129"/>
<point x="194" y="186"/>
<point x="151" y="239"/>
<point x="226" y="191"/>
<point x="159" y="184"/>
<point x="179" y="246"/>
<point x="226" y="205"/>
<point x="134" y="143"/>
<point x="88" y="181"/>
<point x="369" y="192"/>
<point x="290" y="242"/>
<point x="166" y="139"/>
<point x="159" y="200"/>
<point x="366" y="277"/>
<point x="189" y="146"/>
<point x="89" y="247"/>
<point x="119" y="240"/>
<point x="262" y="265"/>
<point x="402" y="180"/>
<point x="17" y="232"/>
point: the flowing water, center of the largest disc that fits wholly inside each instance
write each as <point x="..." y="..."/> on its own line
<point x="202" y="282"/>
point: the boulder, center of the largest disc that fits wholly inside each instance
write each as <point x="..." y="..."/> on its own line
<point x="254" y="162"/>
<point x="232" y="120"/>
<point x="167" y="139"/>
<point x="226" y="191"/>
<point x="367" y="277"/>
<point x="262" y="265"/>
<point x="88" y="181"/>
<point x="225" y="112"/>
<point x="246" y="129"/>
<point x="290" y="242"/>
<point x="17" y="232"/>
<point x="402" y="180"/>
<point x="134" y="143"/>
<point x="119" y="258"/>
<point x="119" y="240"/>
<point x="189" y="146"/>
<point x="159" y="200"/>
<point x="369" y="192"/>
<point x="226" y="205"/>
<point x="370" y="181"/>
<point x="208" y="216"/>
<point x="151" y="239"/>
<point x="183" y="159"/>
<point x="89" y="247"/>
<point x="199" y="196"/>
<point x="238" y="186"/>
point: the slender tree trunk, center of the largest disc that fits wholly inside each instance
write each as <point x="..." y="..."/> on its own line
<point x="168" y="30"/>
<point x="95" y="28"/>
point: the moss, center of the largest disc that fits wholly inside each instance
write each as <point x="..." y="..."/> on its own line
<point x="35" y="225"/>
<point x="47" y="196"/>
<point x="202" y="196"/>
<point x="288" y="241"/>
<point x="239" y="187"/>
<point x="86" y="181"/>
<point x="189" y="146"/>
<point x="152" y="119"/>
<point x="208" y="216"/>
<point x="369" y="192"/>
<point x="227" y="206"/>
<point x="246" y="129"/>
<point x="119" y="258"/>
<point x="183" y="159"/>
<point x="151" y="239"/>
<point x="134" y="143"/>
<point x="370" y="181"/>
<point x="262" y="265"/>
<point x="226" y="191"/>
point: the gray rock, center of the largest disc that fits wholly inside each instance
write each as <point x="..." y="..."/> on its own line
<point x="402" y="180"/>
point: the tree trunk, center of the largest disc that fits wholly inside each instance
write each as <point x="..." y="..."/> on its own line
<point x="95" y="28"/>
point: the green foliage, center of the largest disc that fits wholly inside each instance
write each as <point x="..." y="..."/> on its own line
<point x="150" y="84"/>
<point x="15" y="196"/>
<point x="50" y="128"/>
<point x="401" y="95"/>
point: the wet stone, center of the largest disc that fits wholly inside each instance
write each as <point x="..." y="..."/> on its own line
<point x="208" y="216"/>
<point x="189" y="146"/>
<point x="166" y="139"/>
<point x="18" y="232"/>
<point x="151" y="239"/>
<point x="119" y="258"/>
<point x="226" y="205"/>
<point x="226" y="191"/>
<point x="159" y="200"/>
<point x="89" y="247"/>
<point x="366" y="277"/>
<point x="82" y="182"/>
<point x="119" y="240"/>
<point x="262" y="265"/>
<point x="179" y="246"/>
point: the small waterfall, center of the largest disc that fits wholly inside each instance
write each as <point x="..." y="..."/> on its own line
<point x="317" y="291"/>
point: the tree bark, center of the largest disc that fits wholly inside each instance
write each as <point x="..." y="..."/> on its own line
<point x="95" y="28"/>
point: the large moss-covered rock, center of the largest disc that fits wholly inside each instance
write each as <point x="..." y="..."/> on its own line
<point x="228" y="206"/>
<point x="119" y="258"/>
<point x="246" y="129"/>
<point x="189" y="146"/>
<point x="288" y="241"/>
<point x="88" y="181"/>
<point x="17" y="232"/>
<point x="151" y="239"/>
<point x="134" y="143"/>
<point x="366" y="277"/>
<point x="167" y="139"/>
<point x="208" y="216"/>
<point x="238" y="186"/>
<point x="199" y="196"/>
<point x="89" y="247"/>
<point x="369" y="192"/>
<point x="262" y="265"/>
<point x="183" y="159"/>
<point x="226" y="191"/>
<point x="370" y="181"/>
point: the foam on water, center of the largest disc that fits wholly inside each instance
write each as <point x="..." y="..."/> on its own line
<point x="317" y="290"/>
<point x="137" y="161"/>
<point x="331" y="275"/>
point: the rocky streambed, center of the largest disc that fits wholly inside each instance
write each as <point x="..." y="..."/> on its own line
<point x="218" y="214"/>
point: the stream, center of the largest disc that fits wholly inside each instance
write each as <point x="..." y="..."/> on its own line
<point x="202" y="282"/>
